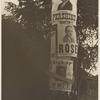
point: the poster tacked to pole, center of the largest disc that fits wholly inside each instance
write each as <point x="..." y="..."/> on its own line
<point x="64" y="11"/>
<point x="62" y="74"/>
<point x="66" y="40"/>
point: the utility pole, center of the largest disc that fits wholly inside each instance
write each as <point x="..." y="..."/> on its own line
<point x="64" y="48"/>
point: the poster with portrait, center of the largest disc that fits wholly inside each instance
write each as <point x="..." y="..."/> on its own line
<point x="64" y="10"/>
<point x="61" y="69"/>
<point x="67" y="40"/>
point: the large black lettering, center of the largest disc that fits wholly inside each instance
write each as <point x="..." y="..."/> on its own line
<point x="66" y="15"/>
<point x="66" y="48"/>
<point x="76" y="48"/>
<point x="54" y="17"/>
<point x="74" y="17"/>
<point x="72" y="48"/>
<point x="63" y="15"/>
<point x="60" y="48"/>
<point x="59" y="16"/>
<point x="69" y="16"/>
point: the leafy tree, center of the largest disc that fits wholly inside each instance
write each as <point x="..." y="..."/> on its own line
<point x="34" y="16"/>
<point x="87" y="26"/>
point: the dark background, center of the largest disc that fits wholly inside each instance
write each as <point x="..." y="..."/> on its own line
<point x="25" y="60"/>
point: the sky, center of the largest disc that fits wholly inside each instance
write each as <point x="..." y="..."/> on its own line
<point x="3" y="4"/>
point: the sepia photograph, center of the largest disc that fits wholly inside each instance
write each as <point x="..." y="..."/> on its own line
<point x="49" y="50"/>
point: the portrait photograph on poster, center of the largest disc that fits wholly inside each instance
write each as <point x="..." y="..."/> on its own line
<point x="66" y="40"/>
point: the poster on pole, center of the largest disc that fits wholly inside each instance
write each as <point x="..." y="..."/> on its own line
<point x="66" y="40"/>
<point x="62" y="74"/>
<point x="64" y="10"/>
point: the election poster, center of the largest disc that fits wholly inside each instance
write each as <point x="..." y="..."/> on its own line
<point x="64" y="11"/>
<point x="62" y="71"/>
<point x="66" y="40"/>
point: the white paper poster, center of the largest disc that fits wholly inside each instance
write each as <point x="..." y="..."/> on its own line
<point x="66" y="40"/>
<point x="64" y="10"/>
<point x="61" y="68"/>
